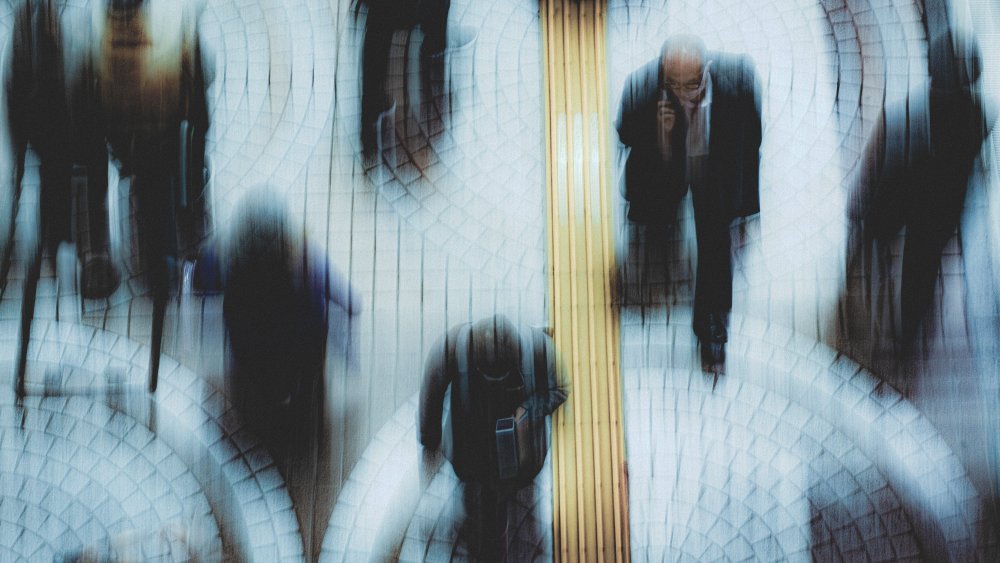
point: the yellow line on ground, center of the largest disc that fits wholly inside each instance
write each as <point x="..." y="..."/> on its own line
<point x="590" y="507"/>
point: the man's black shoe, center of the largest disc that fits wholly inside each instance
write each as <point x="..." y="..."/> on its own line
<point x="711" y="328"/>
<point x="712" y="338"/>
<point x="713" y="357"/>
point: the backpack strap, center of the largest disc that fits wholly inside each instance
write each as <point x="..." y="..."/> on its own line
<point x="463" y="451"/>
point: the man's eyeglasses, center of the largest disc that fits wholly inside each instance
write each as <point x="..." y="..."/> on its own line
<point x="685" y="87"/>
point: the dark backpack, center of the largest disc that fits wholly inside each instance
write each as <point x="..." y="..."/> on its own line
<point x="494" y="442"/>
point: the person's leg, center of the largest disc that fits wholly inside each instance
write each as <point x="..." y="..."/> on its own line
<point x="99" y="277"/>
<point x="925" y="242"/>
<point x="193" y="220"/>
<point x="434" y="23"/>
<point x="493" y="524"/>
<point x="156" y="240"/>
<point x="53" y="228"/>
<point x="933" y="213"/>
<point x="379" y="29"/>
<point x="9" y="202"/>
<point x="97" y="201"/>
<point x="714" y="278"/>
<point x="55" y="208"/>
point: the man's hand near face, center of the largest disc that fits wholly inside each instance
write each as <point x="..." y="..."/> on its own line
<point x="666" y="118"/>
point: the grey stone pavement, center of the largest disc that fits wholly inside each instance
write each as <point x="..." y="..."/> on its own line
<point x="797" y="453"/>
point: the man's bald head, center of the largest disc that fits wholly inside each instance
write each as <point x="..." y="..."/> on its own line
<point x="682" y="59"/>
<point x="683" y="46"/>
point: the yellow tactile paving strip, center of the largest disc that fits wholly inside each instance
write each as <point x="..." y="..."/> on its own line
<point x="590" y="512"/>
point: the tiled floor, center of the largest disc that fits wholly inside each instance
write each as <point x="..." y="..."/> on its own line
<point x="76" y="472"/>
<point x="796" y="453"/>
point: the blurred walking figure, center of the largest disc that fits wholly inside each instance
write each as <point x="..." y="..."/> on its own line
<point x="383" y="19"/>
<point x="916" y="171"/>
<point x="152" y="91"/>
<point x="503" y="384"/>
<point x="277" y="290"/>
<point x="51" y="106"/>
<point x="691" y="120"/>
<point x="119" y="74"/>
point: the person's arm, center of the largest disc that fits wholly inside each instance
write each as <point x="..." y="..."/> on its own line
<point x="654" y="170"/>
<point x="545" y="402"/>
<point x="327" y="280"/>
<point x="983" y="117"/>
<point x="208" y="270"/>
<point x="17" y="91"/>
<point x="432" y="391"/>
<point x="752" y="137"/>
<point x="988" y="107"/>
<point x="558" y="385"/>
<point x="626" y="122"/>
<point x="639" y="107"/>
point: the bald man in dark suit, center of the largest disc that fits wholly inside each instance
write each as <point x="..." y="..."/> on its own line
<point x="691" y="119"/>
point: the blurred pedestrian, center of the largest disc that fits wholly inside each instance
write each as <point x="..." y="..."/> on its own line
<point x="503" y="384"/>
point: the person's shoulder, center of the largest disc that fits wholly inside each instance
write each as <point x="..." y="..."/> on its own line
<point x="730" y="64"/>
<point x="645" y="75"/>
<point x="441" y="354"/>
<point x="538" y="336"/>
<point x="651" y="67"/>
<point x="732" y="72"/>
<point x="449" y="339"/>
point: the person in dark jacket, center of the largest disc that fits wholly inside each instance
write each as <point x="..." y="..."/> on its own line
<point x="50" y="107"/>
<point x="124" y="75"/>
<point x="691" y="119"/>
<point x="496" y="373"/>
<point x="916" y="172"/>
<point x="384" y="18"/>
<point x="277" y="292"/>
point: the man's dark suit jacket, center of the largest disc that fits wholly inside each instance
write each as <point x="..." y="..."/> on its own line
<point x="469" y="437"/>
<point x="653" y="187"/>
